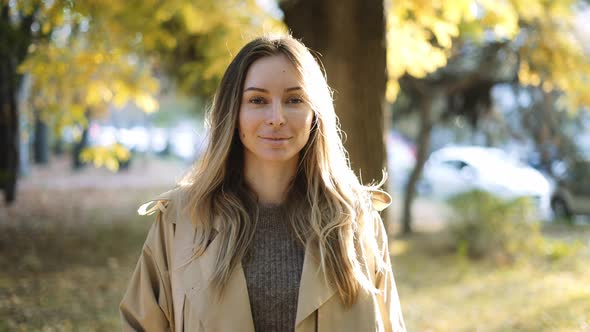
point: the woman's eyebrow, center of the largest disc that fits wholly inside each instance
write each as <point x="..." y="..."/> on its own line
<point x="253" y="88"/>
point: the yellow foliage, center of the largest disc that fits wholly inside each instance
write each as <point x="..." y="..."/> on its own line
<point x="96" y="92"/>
<point x="501" y="17"/>
<point x="163" y="14"/>
<point x="46" y="27"/>
<point x="195" y="20"/>
<point x="107" y="156"/>
<point x="146" y="102"/>
<point x="110" y="60"/>
<point x="420" y="35"/>
<point x="553" y="57"/>
<point x="444" y="33"/>
<point x="392" y="90"/>
<point x="122" y="93"/>
<point x="83" y="78"/>
<point x="106" y="64"/>
<point x="529" y="11"/>
<point x="411" y="27"/>
<point x="77" y="111"/>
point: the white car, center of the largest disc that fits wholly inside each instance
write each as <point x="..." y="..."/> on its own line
<point x="456" y="169"/>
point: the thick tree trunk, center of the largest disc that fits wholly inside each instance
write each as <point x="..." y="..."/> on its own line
<point x="425" y="109"/>
<point x="9" y="136"/>
<point x="14" y="43"/>
<point x="350" y="36"/>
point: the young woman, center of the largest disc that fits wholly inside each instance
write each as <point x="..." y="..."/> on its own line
<point x="271" y="230"/>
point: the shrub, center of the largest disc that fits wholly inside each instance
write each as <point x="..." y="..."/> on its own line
<point x="558" y="249"/>
<point x="486" y="226"/>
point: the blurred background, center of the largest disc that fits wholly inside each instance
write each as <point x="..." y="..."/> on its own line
<point x="478" y="110"/>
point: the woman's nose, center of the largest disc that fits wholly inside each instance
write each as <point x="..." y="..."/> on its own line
<point x="277" y="114"/>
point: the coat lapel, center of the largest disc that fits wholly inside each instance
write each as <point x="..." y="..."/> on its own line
<point x="313" y="289"/>
<point x="193" y="279"/>
<point x="195" y="276"/>
<point x="230" y="312"/>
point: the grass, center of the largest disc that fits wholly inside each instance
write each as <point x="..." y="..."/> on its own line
<point x="69" y="275"/>
<point x="67" y="279"/>
<point x="442" y="291"/>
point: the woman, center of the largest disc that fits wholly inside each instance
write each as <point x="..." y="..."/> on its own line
<point x="271" y="230"/>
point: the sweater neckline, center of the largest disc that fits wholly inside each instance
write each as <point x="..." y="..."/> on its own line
<point x="271" y="211"/>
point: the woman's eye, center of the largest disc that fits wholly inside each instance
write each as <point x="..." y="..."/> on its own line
<point x="295" y="100"/>
<point x="257" y="100"/>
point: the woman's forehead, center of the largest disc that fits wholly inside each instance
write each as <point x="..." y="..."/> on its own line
<point x="272" y="71"/>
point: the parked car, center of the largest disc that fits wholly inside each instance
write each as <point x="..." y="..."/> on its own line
<point x="572" y="193"/>
<point x="457" y="169"/>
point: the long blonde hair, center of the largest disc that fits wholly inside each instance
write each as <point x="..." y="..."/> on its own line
<point x="329" y="208"/>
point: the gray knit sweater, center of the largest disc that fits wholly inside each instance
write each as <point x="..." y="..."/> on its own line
<point x="273" y="271"/>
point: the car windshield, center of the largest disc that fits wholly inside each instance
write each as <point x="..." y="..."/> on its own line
<point x="484" y="159"/>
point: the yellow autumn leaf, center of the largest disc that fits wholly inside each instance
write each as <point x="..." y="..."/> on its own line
<point x="392" y="90"/>
<point x="194" y="19"/>
<point x="121" y="93"/>
<point x="93" y="93"/>
<point x="46" y="27"/>
<point x="77" y="110"/>
<point x="444" y="32"/>
<point x="111" y="164"/>
<point x="120" y="152"/>
<point x="163" y="14"/>
<point x="86" y="155"/>
<point x="146" y="102"/>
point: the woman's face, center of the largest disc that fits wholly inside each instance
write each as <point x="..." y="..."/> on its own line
<point x="274" y="120"/>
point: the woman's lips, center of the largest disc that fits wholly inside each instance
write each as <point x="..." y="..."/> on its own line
<point x="275" y="140"/>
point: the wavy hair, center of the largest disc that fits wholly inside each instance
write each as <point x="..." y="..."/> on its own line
<point x="328" y="206"/>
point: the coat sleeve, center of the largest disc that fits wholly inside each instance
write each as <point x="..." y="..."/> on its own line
<point x="387" y="297"/>
<point x="147" y="303"/>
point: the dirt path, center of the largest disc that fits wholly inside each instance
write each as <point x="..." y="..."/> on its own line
<point x="56" y="192"/>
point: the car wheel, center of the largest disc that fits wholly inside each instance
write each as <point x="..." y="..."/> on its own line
<point x="560" y="210"/>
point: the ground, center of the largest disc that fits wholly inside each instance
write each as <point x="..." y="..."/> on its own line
<point x="69" y="244"/>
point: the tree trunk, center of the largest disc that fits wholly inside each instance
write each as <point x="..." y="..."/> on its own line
<point x="350" y="36"/>
<point x="14" y="41"/>
<point x="77" y="162"/>
<point x="41" y="141"/>
<point x="9" y="135"/>
<point x="58" y="146"/>
<point x="425" y="109"/>
<point x="539" y="120"/>
<point x="547" y="131"/>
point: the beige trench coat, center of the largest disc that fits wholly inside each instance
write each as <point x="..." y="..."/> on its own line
<point x="169" y="291"/>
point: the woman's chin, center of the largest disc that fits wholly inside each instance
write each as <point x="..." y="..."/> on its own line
<point x="274" y="156"/>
